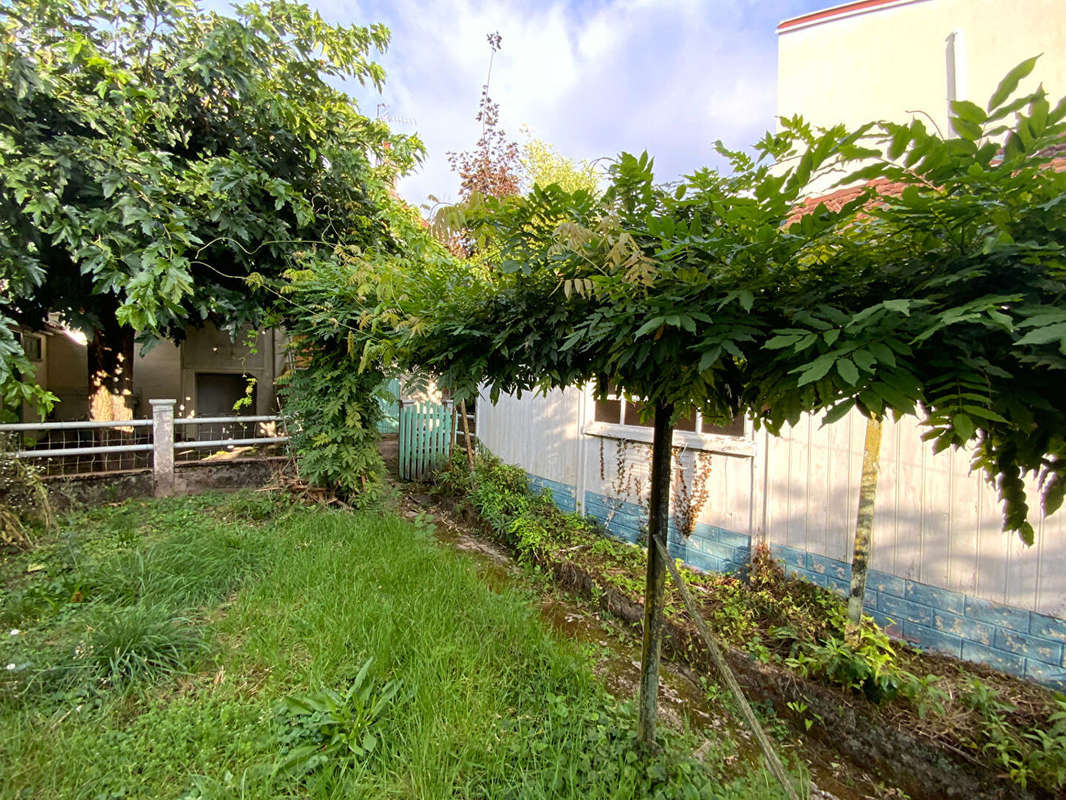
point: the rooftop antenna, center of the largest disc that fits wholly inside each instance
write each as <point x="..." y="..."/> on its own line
<point x="385" y="114"/>
<point x="494" y="39"/>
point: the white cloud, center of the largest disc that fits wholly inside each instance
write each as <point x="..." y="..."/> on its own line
<point x="669" y="76"/>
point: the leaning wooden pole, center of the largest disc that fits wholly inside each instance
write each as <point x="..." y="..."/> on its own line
<point x="773" y="763"/>
<point x="864" y="524"/>
<point x="466" y="434"/>
<point x="655" y="585"/>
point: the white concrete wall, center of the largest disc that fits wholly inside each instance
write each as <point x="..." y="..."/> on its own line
<point x="538" y="432"/>
<point x="934" y="522"/>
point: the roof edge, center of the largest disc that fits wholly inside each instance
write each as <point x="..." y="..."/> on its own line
<point x="851" y="9"/>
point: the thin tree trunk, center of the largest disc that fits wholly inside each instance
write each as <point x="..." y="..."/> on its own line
<point x="864" y="523"/>
<point x="466" y="434"/>
<point x="658" y="524"/>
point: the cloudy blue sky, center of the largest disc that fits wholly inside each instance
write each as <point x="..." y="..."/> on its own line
<point x="592" y="78"/>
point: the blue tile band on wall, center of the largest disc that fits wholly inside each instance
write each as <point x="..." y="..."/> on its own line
<point x="563" y="495"/>
<point x="1013" y="640"/>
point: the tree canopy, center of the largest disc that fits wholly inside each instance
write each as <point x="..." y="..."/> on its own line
<point x="155" y="155"/>
<point x="939" y="294"/>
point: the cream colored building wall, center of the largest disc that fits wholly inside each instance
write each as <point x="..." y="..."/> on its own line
<point x="890" y="61"/>
<point x="68" y="375"/>
<point x="166" y="370"/>
<point x="208" y="349"/>
<point x="156" y="375"/>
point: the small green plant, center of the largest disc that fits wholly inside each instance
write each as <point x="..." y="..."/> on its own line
<point x="1035" y="756"/>
<point x="330" y="727"/>
<point x="868" y="666"/>
<point x="799" y="708"/>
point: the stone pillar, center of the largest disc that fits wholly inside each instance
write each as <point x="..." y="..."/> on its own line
<point x="163" y="446"/>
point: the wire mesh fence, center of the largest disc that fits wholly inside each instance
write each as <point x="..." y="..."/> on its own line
<point x="70" y="449"/>
<point x="83" y="448"/>
<point x="227" y="438"/>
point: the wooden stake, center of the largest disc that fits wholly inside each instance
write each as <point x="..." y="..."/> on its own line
<point x="658" y="524"/>
<point x="466" y="433"/>
<point x="772" y="761"/>
<point x="451" y="436"/>
<point x="864" y="524"/>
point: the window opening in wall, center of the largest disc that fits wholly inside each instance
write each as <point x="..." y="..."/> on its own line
<point x="616" y="409"/>
<point x="32" y="345"/>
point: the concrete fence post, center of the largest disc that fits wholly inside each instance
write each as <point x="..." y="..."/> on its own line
<point x="163" y="446"/>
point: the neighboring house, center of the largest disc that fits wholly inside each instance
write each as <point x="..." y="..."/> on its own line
<point x="207" y="373"/>
<point x="942" y="569"/>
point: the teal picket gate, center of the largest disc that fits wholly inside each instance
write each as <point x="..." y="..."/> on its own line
<point x="425" y="439"/>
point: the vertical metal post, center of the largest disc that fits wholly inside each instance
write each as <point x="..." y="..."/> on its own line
<point x="658" y="525"/>
<point x="163" y="446"/>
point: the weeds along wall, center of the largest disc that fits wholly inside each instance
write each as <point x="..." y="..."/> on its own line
<point x="943" y="571"/>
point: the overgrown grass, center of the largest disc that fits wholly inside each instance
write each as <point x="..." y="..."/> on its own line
<point x="235" y="646"/>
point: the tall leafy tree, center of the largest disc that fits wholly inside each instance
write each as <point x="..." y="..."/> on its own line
<point x="543" y="165"/>
<point x="944" y="302"/>
<point x="154" y="155"/>
<point x="952" y="278"/>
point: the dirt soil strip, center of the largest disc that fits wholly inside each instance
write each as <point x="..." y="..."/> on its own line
<point x="923" y="768"/>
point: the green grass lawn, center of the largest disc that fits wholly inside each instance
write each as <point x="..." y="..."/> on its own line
<point x="239" y="646"/>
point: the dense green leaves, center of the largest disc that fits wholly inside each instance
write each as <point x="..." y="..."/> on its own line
<point x="153" y="154"/>
<point x="933" y="289"/>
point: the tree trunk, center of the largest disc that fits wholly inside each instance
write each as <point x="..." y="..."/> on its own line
<point x="110" y="361"/>
<point x="658" y="525"/>
<point x="864" y="524"/>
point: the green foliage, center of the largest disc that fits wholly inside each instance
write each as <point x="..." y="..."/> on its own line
<point x="333" y="727"/>
<point x="951" y="281"/>
<point x="492" y="704"/>
<point x="141" y="643"/>
<point x="782" y="620"/>
<point x="155" y="154"/>
<point x="1036" y="756"/>
<point x="349" y="311"/>
<point x="16" y="385"/>
<point x="544" y="166"/>
<point x="107" y="604"/>
<point x="868" y="665"/>
<point x="934" y="290"/>
<point x="332" y="414"/>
